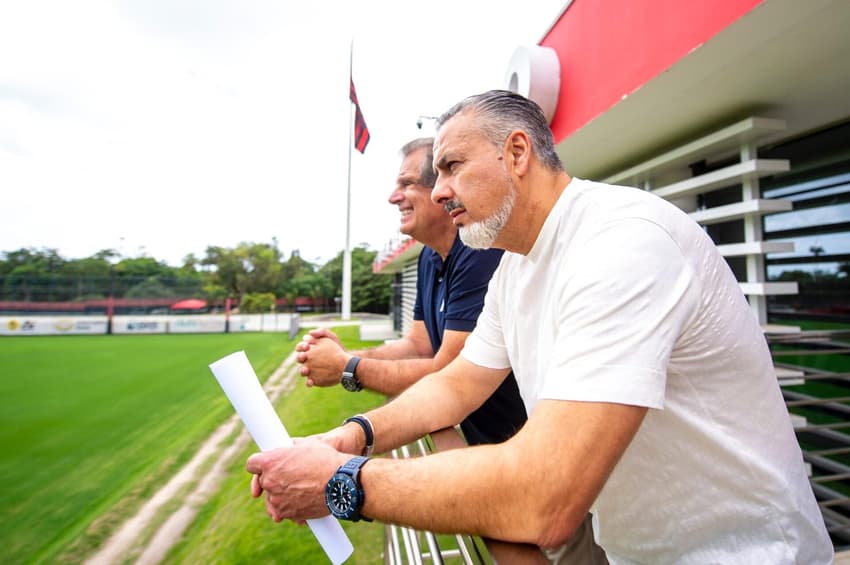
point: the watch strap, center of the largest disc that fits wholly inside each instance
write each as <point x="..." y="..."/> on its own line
<point x="368" y="431"/>
<point x="349" y="375"/>
<point x="352" y="468"/>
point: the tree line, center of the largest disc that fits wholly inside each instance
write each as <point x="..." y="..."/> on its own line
<point x="255" y="276"/>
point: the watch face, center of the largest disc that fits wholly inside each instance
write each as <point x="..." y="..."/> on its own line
<point x="342" y="497"/>
<point x="350" y="383"/>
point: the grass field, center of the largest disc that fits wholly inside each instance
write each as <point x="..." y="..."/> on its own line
<point x="91" y="426"/>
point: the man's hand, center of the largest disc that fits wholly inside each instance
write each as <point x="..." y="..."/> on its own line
<point x="294" y="479"/>
<point x="311" y="337"/>
<point x="348" y="438"/>
<point x="320" y="333"/>
<point x="323" y="359"/>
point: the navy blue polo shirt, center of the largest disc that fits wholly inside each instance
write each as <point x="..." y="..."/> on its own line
<point x="450" y="296"/>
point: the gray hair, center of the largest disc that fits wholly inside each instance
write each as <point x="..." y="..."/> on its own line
<point x="499" y="112"/>
<point x="427" y="176"/>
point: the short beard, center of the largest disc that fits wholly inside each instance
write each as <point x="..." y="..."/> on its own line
<point x="481" y="235"/>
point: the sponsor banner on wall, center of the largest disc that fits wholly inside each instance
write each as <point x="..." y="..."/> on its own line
<point x="203" y="323"/>
<point x="196" y="324"/>
<point x="260" y="322"/>
<point x="52" y="325"/>
<point x="139" y="325"/>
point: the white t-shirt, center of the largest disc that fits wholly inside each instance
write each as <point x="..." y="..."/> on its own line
<point x="625" y="299"/>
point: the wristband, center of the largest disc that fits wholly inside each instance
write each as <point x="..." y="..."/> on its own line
<point x="364" y="423"/>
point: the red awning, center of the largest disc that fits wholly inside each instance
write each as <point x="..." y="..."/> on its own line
<point x="189" y="304"/>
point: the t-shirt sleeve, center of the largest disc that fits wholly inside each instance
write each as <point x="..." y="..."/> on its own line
<point x="468" y="285"/>
<point x="485" y="346"/>
<point x="625" y="298"/>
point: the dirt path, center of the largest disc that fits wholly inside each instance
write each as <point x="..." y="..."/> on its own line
<point x="129" y="540"/>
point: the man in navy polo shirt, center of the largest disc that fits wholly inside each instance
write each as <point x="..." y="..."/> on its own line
<point x="451" y="283"/>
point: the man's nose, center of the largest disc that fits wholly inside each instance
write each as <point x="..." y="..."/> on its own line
<point x="441" y="192"/>
<point x="395" y="196"/>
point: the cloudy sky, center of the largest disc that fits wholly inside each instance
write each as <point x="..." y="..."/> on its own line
<point x="159" y="127"/>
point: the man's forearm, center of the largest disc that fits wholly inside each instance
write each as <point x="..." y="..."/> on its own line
<point x="432" y="484"/>
<point x="438" y="400"/>
<point x="535" y="488"/>
<point x="469" y="491"/>
<point x="403" y="348"/>
<point x="392" y="368"/>
<point x="393" y="377"/>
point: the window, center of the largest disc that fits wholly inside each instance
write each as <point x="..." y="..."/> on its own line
<point x="819" y="226"/>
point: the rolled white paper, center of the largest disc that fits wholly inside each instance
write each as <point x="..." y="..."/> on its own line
<point x="239" y="381"/>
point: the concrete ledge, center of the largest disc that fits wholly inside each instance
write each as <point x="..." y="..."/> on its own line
<point x="377" y="330"/>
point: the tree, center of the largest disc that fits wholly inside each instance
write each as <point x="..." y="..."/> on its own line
<point x="319" y="288"/>
<point x="296" y="267"/>
<point x="88" y="277"/>
<point x="262" y="263"/>
<point x="249" y="268"/>
<point x="37" y="261"/>
<point x="142" y="267"/>
<point x="30" y="274"/>
<point x="214" y="293"/>
<point x="369" y="292"/>
<point x="228" y="269"/>
<point x="190" y="265"/>
<point x="150" y="288"/>
<point x="257" y="302"/>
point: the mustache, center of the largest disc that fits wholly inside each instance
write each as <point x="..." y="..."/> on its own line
<point x="452" y="205"/>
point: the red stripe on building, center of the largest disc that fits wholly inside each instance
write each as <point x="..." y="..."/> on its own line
<point x="610" y="48"/>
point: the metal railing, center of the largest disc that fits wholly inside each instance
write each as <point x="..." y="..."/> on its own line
<point x="403" y="545"/>
<point x="821" y="406"/>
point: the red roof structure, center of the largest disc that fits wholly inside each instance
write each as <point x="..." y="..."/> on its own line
<point x="189" y="304"/>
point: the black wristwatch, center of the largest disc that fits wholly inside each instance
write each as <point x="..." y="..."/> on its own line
<point x="349" y="379"/>
<point x="343" y="494"/>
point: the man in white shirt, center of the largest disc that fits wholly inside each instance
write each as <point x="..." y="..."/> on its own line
<point x="650" y="391"/>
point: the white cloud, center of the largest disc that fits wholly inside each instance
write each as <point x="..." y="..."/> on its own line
<point x="171" y="125"/>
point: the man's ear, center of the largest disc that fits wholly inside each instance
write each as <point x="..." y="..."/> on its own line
<point x="518" y="152"/>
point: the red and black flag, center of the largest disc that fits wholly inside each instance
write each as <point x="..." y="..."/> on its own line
<point x="361" y="131"/>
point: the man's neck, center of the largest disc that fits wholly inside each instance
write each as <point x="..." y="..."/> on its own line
<point x="443" y="242"/>
<point x="530" y="212"/>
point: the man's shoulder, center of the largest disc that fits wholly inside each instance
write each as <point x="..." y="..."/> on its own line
<point x="475" y="263"/>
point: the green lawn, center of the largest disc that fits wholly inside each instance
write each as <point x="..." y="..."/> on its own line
<point x="90" y="426"/>
<point x="807" y="325"/>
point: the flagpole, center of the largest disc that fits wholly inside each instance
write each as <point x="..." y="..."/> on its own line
<point x="346" y="257"/>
